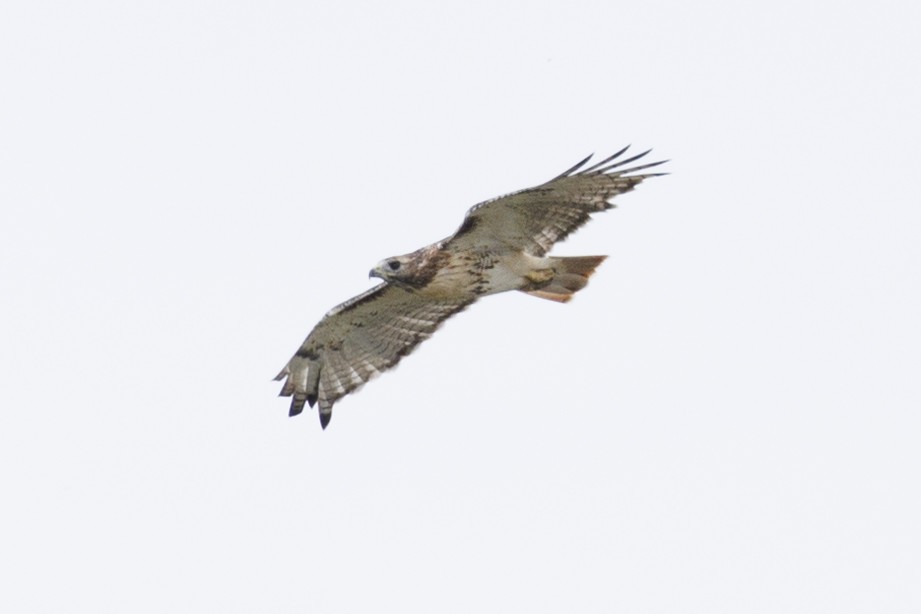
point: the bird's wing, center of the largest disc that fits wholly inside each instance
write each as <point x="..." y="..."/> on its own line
<point x="534" y="219"/>
<point x="358" y="340"/>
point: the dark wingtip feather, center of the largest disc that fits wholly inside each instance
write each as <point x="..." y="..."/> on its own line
<point x="325" y="417"/>
<point x="606" y="160"/>
<point x="651" y="164"/>
<point x="567" y="173"/>
<point x="624" y="162"/>
<point x="608" y="165"/>
<point x="633" y="169"/>
<point x="297" y="406"/>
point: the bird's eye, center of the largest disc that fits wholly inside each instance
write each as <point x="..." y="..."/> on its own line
<point x="394" y="265"/>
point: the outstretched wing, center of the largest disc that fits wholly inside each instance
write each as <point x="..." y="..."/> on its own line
<point x="534" y="219"/>
<point x="358" y="340"/>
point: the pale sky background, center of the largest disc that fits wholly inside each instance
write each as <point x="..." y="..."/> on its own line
<point x="726" y="420"/>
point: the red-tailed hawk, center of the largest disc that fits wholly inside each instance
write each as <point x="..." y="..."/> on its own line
<point x="502" y="245"/>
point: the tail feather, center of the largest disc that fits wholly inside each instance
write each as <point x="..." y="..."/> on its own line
<point x="569" y="276"/>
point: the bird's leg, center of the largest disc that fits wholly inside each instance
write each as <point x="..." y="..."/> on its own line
<point x="539" y="277"/>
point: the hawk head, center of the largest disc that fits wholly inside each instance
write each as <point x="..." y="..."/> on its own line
<point x="413" y="270"/>
<point x="396" y="269"/>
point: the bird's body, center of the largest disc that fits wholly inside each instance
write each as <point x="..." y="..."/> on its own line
<point x="502" y="245"/>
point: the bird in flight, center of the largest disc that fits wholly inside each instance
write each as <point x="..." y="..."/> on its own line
<point x="501" y="245"/>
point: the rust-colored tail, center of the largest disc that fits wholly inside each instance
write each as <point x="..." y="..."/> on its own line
<point x="569" y="276"/>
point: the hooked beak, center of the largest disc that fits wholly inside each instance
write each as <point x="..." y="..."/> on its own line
<point x="375" y="273"/>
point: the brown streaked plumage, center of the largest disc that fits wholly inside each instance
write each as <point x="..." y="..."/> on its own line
<point x="500" y="246"/>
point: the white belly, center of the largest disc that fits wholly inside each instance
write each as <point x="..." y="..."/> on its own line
<point x="512" y="272"/>
<point x="482" y="275"/>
